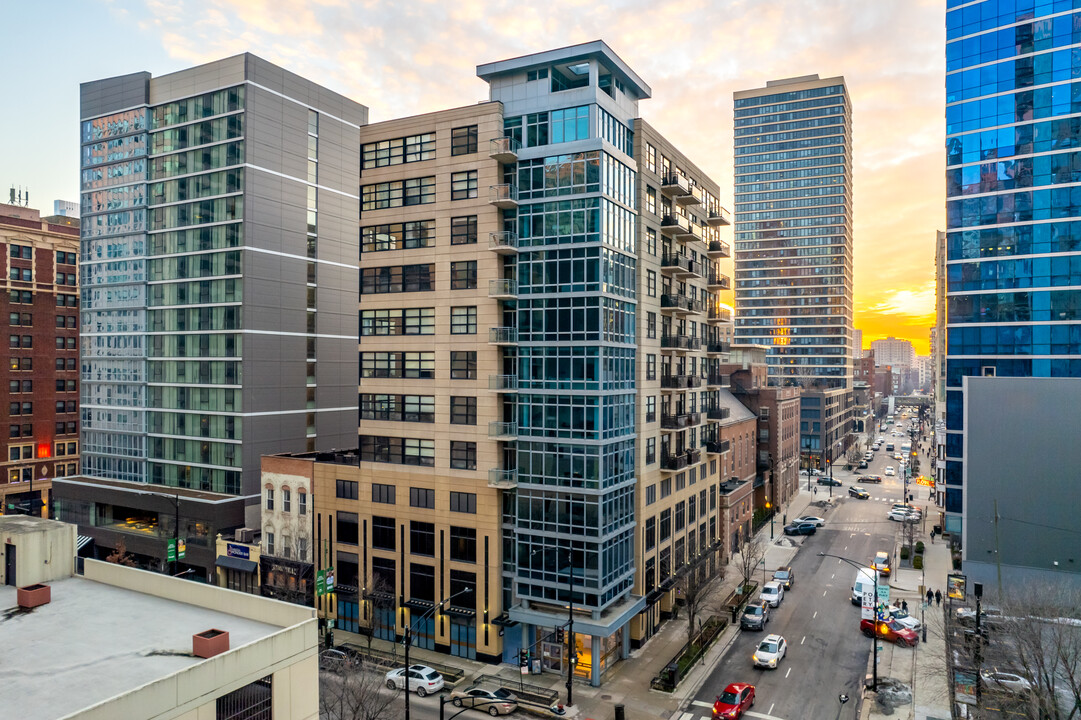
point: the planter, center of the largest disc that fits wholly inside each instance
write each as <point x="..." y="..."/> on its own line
<point x="32" y="596"/>
<point x="209" y="643"/>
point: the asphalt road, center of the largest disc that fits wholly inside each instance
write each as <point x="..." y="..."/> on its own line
<point x="827" y="654"/>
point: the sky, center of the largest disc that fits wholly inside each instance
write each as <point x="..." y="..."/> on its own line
<point x="403" y="57"/>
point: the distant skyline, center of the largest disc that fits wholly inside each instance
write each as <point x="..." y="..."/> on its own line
<point x="404" y="58"/>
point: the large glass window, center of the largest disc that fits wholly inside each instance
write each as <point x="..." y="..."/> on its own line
<point x="413" y="148"/>
<point x="463" y="185"/>
<point x="397" y="236"/>
<point x="397" y="193"/>
<point x="463" y="230"/>
<point x="463" y="320"/>
<point x="463" y="140"/>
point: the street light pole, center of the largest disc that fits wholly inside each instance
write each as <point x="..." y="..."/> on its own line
<point x="571" y="656"/>
<point x="874" y="615"/>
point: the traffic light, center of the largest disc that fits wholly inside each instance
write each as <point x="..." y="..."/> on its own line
<point x="559" y="635"/>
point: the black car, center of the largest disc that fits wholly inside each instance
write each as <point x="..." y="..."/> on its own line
<point x="858" y="492"/>
<point x="829" y="481"/>
<point x="869" y="479"/>
<point x="800" y="529"/>
<point x="755" y="616"/>
<point x="785" y="576"/>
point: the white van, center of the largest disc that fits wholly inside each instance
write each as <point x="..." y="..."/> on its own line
<point x="865" y="582"/>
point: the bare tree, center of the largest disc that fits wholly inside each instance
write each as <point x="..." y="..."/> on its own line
<point x="751" y="556"/>
<point x="696" y="585"/>
<point x="120" y="554"/>
<point x="357" y="693"/>
<point x="380" y="597"/>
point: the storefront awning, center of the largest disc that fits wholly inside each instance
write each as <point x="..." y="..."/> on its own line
<point x="232" y="563"/>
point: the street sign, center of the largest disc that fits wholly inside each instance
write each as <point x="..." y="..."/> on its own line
<point x="867" y="610"/>
<point x="320" y="583"/>
<point x="330" y="580"/>
<point x="170" y="550"/>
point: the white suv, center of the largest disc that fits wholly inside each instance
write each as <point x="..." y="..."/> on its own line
<point x="772" y="593"/>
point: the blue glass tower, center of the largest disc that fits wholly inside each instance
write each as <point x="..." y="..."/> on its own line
<point x="1013" y="94"/>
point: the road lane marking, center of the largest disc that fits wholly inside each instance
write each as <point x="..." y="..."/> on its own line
<point x="824" y="593"/>
<point x="752" y="713"/>
<point x="833" y="576"/>
<point x="702" y="703"/>
<point x="771" y="709"/>
<point x="786" y="675"/>
<point x="815" y="615"/>
<point x="804" y="638"/>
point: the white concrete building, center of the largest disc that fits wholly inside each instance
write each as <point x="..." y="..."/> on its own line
<point x="895" y="352"/>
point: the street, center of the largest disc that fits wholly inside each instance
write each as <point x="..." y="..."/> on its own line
<point x="827" y="654"/>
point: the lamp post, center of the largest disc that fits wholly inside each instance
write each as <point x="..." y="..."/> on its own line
<point x="874" y="615"/>
<point x="408" y="640"/>
<point x="769" y="506"/>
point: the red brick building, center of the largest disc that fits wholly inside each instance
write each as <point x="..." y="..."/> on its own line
<point x="40" y="305"/>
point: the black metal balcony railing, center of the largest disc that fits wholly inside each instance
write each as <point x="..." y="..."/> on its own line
<point x="721" y="247"/>
<point x="675" y="260"/>
<point x="717" y="346"/>
<point x="717" y="413"/>
<point x="680" y="342"/>
<point x="675" y="422"/>
<point x="719" y="313"/>
<point x="716" y="446"/>
<point x="651" y="416"/>
<point x="694" y="456"/>
<point x="717" y="379"/>
<point x="674" y="382"/>
<point x="670" y="301"/>
<point x="717" y="280"/>
<point x="673" y="462"/>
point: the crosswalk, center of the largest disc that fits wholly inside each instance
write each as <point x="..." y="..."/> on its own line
<point x="699" y="703"/>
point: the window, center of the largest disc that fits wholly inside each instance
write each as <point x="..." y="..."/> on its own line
<point x="270" y="498"/>
<point x="651" y="408"/>
<point x="463" y="185"/>
<point x="651" y="367"/>
<point x="422" y="538"/>
<point x="463" y="230"/>
<point x="302" y="505"/>
<point x="397" y="236"/>
<point x="413" y="148"/>
<point x="398" y="193"/>
<point x="348" y="528"/>
<point x="681" y="515"/>
<point x="463" y="544"/>
<point x="405" y="321"/>
<point x="463" y="320"/>
<point x="651" y="158"/>
<point x="463" y="275"/>
<point x="651" y="325"/>
<point x="287" y="500"/>
<point x="397" y="278"/>
<point x="651" y="494"/>
<point x="397" y="365"/>
<point x="422" y="582"/>
<point x="666" y="525"/>
<point x="651" y="200"/>
<point x="346" y="489"/>
<point x="651" y="533"/>
<point x="463" y="410"/>
<point x="401" y="451"/>
<point x="270" y="543"/>
<point x="651" y="241"/>
<point x="763" y="412"/>
<point x="463" y="502"/>
<point x="421" y="498"/>
<point x="666" y="488"/>
<point x="463" y="364"/>
<point x="463" y="140"/>
<point x="651" y="283"/>
<point x="383" y="534"/>
<point x="537" y="75"/>
<point x="570" y="124"/>
<point x="383" y="493"/>
<point x="463" y="455"/>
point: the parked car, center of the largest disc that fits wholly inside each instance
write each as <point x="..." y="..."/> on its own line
<point x="736" y="699"/>
<point x="494" y="702"/>
<point x="334" y="661"/>
<point x="857" y="492"/>
<point x="772" y="593"/>
<point x="861" y="465"/>
<point x="988" y="616"/>
<point x="799" y="529"/>
<point x="770" y="651"/>
<point x="881" y="563"/>
<point x="1006" y="682"/>
<point x="892" y="631"/>
<point x="869" y="479"/>
<point x="868" y="455"/>
<point x="889" y="471"/>
<point x="755" y="616"/>
<point x="828" y="481"/>
<point x="904" y="618"/>
<point x="785" y="576"/>
<point x="898" y="456"/>
<point x="818" y="522"/>
<point x="422" y="679"/>
<point x="901" y="516"/>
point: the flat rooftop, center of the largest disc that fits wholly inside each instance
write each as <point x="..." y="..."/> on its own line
<point x="95" y="641"/>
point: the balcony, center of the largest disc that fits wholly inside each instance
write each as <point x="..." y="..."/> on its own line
<point x="720" y="314"/>
<point x="718" y="281"/>
<point x="717" y="413"/>
<point x="502" y="479"/>
<point x="503" y="383"/>
<point x="504" y="242"/>
<point x="502" y="336"/>
<point x="680" y="304"/>
<point x="504" y="149"/>
<point x="503" y="430"/>
<point x="680" y="342"/>
<point x="694" y="197"/>
<point x="681" y="421"/>
<point x="504" y="197"/>
<point x="717" y="446"/>
<point x="503" y="289"/>
<point x="714" y="347"/>
<point x="681" y="265"/>
<point x="673" y="462"/>
<point x="680" y="382"/>
<point x="718" y="217"/>
<point x="717" y="380"/>
<point x="694" y="457"/>
<point x="718" y="249"/>
<point x="674" y="185"/>
<point x="674" y="226"/>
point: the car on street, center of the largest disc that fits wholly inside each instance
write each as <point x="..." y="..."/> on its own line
<point x="901" y="516"/>
<point x="898" y="456"/>
<point x="772" y="593"/>
<point x="494" y="702"/>
<point x="736" y="699"/>
<point x="815" y="471"/>
<point x="1005" y="682"/>
<point x="818" y="522"/>
<point x="912" y="510"/>
<point x="828" y="481"/>
<point x="891" y="631"/>
<point x="869" y="479"/>
<point x="785" y="576"/>
<point x="889" y="471"/>
<point x="770" y="651"/>
<point x="422" y="679"/>
<point x="857" y="492"/>
<point x="881" y="562"/>
<point x="755" y="616"/>
<point x="862" y="465"/>
<point x="988" y="616"/>
<point x="902" y="616"/>
<point x="799" y="529"/>
<point x="334" y="661"/>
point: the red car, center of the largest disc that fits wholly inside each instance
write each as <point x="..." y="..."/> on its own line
<point x="892" y="631"/>
<point x="734" y="701"/>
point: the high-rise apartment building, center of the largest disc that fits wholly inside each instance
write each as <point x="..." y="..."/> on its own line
<point x="793" y="186"/>
<point x="1013" y="248"/>
<point x="857" y="345"/>
<point x="40" y="298"/>
<point x="219" y="261"/>
<point x="893" y="351"/>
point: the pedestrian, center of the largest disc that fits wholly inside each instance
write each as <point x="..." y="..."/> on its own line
<point x="930" y="597"/>
<point x="938" y="597"/>
<point x="904" y="606"/>
<point x="932" y="536"/>
<point x="816" y="489"/>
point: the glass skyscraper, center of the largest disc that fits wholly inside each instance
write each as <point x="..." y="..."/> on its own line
<point x="1013" y="245"/>
<point x="793" y="193"/>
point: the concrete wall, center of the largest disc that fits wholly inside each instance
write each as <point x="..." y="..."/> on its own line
<point x="45" y="549"/>
<point x="1021" y="450"/>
